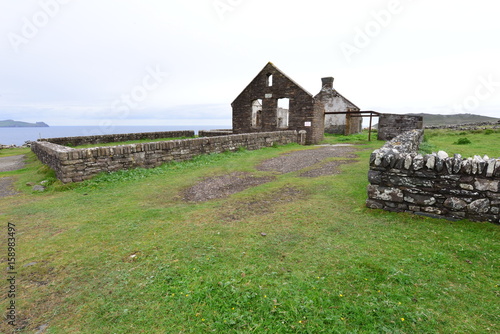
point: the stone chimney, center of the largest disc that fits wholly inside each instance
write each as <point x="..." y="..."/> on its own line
<point x="327" y="82"/>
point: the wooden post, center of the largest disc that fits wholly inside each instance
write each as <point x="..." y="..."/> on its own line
<point x="370" y="128"/>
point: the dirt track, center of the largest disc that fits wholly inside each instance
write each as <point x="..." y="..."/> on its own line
<point x="8" y="164"/>
<point x="312" y="163"/>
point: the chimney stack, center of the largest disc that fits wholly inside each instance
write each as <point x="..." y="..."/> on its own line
<point x="327" y="82"/>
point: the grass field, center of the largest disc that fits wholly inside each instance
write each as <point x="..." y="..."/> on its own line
<point x="482" y="142"/>
<point x="123" y="253"/>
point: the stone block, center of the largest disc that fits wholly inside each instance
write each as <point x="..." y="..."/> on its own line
<point x="374" y="177"/>
<point x="430" y="161"/>
<point x="418" y="162"/>
<point x="455" y="204"/>
<point x="487" y="185"/>
<point x="385" y="194"/>
<point x="420" y="199"/>
<point x="479" y="206"/>
<point x="374" y="204"/>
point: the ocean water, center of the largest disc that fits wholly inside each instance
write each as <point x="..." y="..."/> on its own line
<point x="18" y="136"/>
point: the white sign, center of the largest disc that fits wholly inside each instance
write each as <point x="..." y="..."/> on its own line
<point x="307" y="123"/>
<point x="268" y="96"/>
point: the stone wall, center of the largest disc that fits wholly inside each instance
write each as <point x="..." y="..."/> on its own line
<point x="392" y="125"/>
<point x="214" y="133"/>
<point x="116" y="138"/>
<point x="467" y="126"/>
<point x="74" y="165"/>
<point x="435" y="184"/>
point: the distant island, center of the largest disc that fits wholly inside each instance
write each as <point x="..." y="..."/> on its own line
<point x="17" y="124"/>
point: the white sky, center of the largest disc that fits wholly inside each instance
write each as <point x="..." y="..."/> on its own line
<point x="74" y="62"/>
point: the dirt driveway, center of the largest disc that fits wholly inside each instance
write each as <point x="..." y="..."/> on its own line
<point x="14" y="162"/>
<point x="8" y="164"/>
<point x="311" y="163"/>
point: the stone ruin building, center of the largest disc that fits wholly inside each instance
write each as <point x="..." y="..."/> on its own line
<point x="273" y="102"/>
<point x="333" y="101"/>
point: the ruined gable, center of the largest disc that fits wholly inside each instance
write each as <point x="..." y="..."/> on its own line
<point x="272" y="102"/>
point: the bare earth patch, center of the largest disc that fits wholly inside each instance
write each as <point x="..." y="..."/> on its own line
<point x="327" y="168"/>
<point x="295" y="161"/>
<point x="311" y="160"/>
<point x="11" y="163"/>
<point x="7" y="187"/>
<point x="238" y="210"/>
<point x="223" y="186"/>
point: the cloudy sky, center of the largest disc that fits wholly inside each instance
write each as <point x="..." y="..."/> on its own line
<point x="179" y="62"/>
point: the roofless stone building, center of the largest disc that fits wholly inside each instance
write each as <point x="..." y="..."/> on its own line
<point x="273" y="102"/>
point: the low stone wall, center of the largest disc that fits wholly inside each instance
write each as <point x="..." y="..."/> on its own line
<point x="467" y="126"/>
<point x="214" y="133"/>
<point x="392" y="125"/>
<point x="435" y="184"/>
<point x="74" y="165"/>
<point x="116" y="138"/>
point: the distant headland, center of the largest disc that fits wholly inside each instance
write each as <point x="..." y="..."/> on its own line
<point x="17" y="124"/>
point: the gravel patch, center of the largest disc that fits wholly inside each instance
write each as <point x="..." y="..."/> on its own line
<point x="7" y="187"/>
<point x="223" y="186"/>
<point x="295" y="161"/>
<point x="327" y="168"/>
<point x="11" y="163"/>
<point x="256" y="207"/>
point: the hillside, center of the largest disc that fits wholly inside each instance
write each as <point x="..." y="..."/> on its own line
<point x="431" y="119"/>
<point x="17" y="124"/>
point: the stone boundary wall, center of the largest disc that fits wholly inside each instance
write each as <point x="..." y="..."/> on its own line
<point x="467" y="126"/>
<point x="392" y="125"/>
<point x="434" y="184"/>
<point x="116" y="138"/>
<point x="75" y="165"/>
<point x="214" y="133"/>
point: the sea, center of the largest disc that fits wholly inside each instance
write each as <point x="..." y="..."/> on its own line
<point x="18" y="136"/>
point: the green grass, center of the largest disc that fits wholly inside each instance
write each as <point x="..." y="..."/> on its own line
<point x="482" y="142"/>
<point x="8" y="152"/>
<point x="123" y="253"/>
<point x="359" y="138"/>
<point x="128" y="142"/>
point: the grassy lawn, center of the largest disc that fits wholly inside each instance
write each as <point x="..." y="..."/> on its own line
<point x="123" y="253"/>
<point x="13" y="151"/>
<point x="466" y="143"/>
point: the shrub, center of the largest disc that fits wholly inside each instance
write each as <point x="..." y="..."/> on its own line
<point x="488" y="131"/>
<point x="462" y="141"/>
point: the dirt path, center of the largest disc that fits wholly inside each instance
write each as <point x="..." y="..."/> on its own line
<point x="7" y="187"/>
<point x="311" y="162"/>
<point x="298" y="160"/>
<point x="14" y="162"/>
<point x="8" y="164"/>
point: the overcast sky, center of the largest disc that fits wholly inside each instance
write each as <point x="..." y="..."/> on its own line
<point x="179" y="62"/>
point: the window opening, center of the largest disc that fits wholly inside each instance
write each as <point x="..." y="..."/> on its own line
<point x="282" y="112"/>
<point x="257" y="113"/>
<point x="269" y="80"/>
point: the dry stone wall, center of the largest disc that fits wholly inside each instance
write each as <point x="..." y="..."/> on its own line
<point x="435" y="184"/>
<point x="392" y="125"/>
<point x="74" y="165"/>
<point x="116" y="138"/>
<point x="214" y="133"/>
